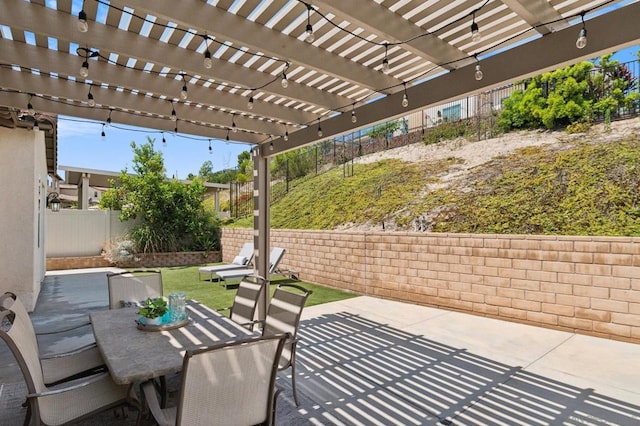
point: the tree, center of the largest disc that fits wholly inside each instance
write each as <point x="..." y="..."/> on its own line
<point x="171" y="214"/>
<point x="577" y="93"/>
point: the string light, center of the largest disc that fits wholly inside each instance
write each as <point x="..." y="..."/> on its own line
<point x="405" y="97"/>
<point x="175" y="129"/>
<point x="234" y="128"/>
<point x="210" y="149"/>
<point x="270" y="146"/>
<point x="475" y="30"/>
<point x="90" y="100"/>
<point x="183" y="93"/>
<point x="478" y="74"/>
<point x="30" y="108"/>
<point x="208" y="62"/>
<point x="354" y="117"/>
<point x="310" y="38"/>
<point x="227" y="135"/>
<point x="174" y="117"/>
<point x="385" y="60"/>
<point x="36" y="127"/>
<point x="86" y="54"/>
<point x="319" y="129"/>
<point x="284" y="82"/>
<point x="581" y="42"/>
<point x="109" y="117"/>
<point x="286" y="134"/>
<point x="83" y="26"/>
<point x="84" y="69"/>
<point x="103" y="134"/>
<point x="250" y="103"/>
<point x="164" y="141"/>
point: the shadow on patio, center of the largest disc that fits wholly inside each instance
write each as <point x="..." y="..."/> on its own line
<point x="369" y="361"/>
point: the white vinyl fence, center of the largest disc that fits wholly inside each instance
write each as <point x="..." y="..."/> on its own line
<point x="71" y="233"/>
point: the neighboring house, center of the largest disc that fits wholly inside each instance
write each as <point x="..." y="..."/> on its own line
<point x="28" y="162"/>
<point x="90" y="184"/>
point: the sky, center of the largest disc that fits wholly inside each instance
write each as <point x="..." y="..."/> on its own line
<point x="80" y="144"/>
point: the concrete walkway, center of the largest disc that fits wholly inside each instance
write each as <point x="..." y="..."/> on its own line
<point x="371" y="361"/>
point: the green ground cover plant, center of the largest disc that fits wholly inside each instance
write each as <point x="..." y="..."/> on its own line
<point x="588" y="189"/>
<point x="215" y="296"/>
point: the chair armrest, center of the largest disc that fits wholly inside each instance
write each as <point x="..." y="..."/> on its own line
<point x="151" y="398"/>
<point x="62" y="330"/>
<point x="70" y="387"/>
<point x="70" y="353"/>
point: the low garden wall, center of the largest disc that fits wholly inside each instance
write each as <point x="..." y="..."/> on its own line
<point x="587" y="285"/>
<point x="154" y="260"/>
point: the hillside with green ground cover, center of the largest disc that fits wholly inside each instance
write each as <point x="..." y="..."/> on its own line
<point x="536" y="183"/>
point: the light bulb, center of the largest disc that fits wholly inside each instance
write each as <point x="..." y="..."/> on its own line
<point x="30" y="109"/>
<point x="83" y="26"/>
<point x="581" y="42"/>
<point x="286" y="135"/>
<point x="234" y="128"/>
<point x="92" y="102"/>
<point x="208" y="63"/>
<point x="478" y="74"/>
<point x="354" y="117"/>
<point x="284" y="82"/>
<point x="210" y="150"/>
<point x="36" y="127"/>
<point x="183" y="93"/>
<point x="174" y="117"/>
<point x="319" y="131"/>
<point x="164" y="141"/>
<point x="310" y="37"/>
<point x="84" y="70"/>
<point x="475" y="33"/>
<point x="103" y="134"/>
<point x="385" y="65"/>
<point x="405" y="101"/>
<point x="250" y="103"/>
<point x="271" y="146"/>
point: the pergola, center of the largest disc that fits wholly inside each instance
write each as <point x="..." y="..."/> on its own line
<point x="248" y="70"/>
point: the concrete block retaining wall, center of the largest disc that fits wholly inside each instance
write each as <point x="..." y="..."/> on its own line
<point x="588" y="285"/>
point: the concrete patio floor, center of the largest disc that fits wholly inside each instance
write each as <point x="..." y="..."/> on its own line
<point x="365" y="361"/>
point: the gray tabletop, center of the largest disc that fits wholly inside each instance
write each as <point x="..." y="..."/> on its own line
<point x="134" y="355"/>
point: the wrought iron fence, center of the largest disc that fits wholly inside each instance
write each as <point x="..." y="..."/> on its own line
<point x="478" y="113"/>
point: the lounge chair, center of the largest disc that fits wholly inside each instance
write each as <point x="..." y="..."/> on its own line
<point x="275" y="257"/>
<point x="241" y="261"/>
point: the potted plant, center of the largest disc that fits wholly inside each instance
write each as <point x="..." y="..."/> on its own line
<point x="153" y="310"/>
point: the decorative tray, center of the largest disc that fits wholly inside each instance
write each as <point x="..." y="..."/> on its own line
<point x="161" y="327"/>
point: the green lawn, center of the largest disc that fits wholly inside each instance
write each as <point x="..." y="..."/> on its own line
<point x="214" y="295"/>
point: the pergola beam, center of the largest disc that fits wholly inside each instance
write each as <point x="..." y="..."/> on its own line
<point x="375" y="18"/>
<point x="227" y="26"/>
<point x="550" y="52"/>
<point x="23" y="15"/>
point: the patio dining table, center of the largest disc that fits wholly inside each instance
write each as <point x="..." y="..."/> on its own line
<point x="133" y="355"/>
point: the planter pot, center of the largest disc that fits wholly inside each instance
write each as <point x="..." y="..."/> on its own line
<point x="153" y="321"/>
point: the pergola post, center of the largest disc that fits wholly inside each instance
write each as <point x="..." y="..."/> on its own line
<point x="261" y="197"/>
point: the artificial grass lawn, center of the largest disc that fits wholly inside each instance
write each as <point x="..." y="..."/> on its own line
<point x="215" y="296"/>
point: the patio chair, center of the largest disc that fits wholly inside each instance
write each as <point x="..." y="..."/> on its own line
<point x="58" y="367"/>
<point x="229" y="383"/>
<point x="130" y="288"/>
<point x="68" y="402"/>
<point x="283" y="316"/>
<point x="241" y="261"/>
<point x="246" y="301"/>
<point x="275" y="257"/>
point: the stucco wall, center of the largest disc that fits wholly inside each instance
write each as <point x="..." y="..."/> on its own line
<point x="22" y="193"/>
<point x="589" y="285"/>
